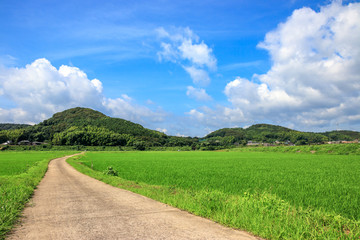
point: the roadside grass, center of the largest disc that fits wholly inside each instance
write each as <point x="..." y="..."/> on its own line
<point x="271" y="195"/>
<point x="20" y="173"/>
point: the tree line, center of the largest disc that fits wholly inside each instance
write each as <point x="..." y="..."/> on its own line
<point x="82" y="126"/>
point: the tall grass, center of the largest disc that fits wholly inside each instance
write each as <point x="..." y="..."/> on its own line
<point x="276" y="196"/>
<point x="20" y="173"/>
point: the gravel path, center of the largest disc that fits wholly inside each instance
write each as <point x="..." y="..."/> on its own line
<point x="70" y="205"/>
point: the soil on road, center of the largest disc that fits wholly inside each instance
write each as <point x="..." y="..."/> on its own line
<point x="70" y="205"/>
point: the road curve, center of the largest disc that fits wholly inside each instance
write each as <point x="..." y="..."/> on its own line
<point x="71" y="205"/>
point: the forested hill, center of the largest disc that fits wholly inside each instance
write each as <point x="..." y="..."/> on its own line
<point x="271" y="133"/>
<point x="84" y="126"/>
<point x="250" y="132"/>
<point x="85" y="117"/>
<point x="9" y="126"/>
<point x="343" y="135"/>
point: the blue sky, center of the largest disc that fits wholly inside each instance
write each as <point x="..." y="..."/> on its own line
<point x="184" y="67"/>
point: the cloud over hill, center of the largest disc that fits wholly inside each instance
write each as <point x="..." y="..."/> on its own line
<point x="39" y="90"/>
<point x="314" y="80"/>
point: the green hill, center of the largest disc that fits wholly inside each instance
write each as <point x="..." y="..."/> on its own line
<point x="10" y="126"/>
<point x="251" y="133"/>
<point x="271" y="133"/>
<point x="84" y="126"/>
<point x="343" y="135"/>
<point x="85" y="117"/>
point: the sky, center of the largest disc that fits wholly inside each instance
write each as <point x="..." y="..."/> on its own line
<point x="185" y="68"/>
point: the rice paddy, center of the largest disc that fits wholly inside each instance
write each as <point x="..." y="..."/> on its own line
<point x="273" y="195"/>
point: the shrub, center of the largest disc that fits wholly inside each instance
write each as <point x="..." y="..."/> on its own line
<point x="111" y="172"/>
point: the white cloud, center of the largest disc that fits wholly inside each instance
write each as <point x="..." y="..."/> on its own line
<point x="219" y="117"/>
<point x="15" y="115"/>
<point x="167" y="53"/>
<point x="40" y="90"/>
<point x="314" y="81"/>
<point x="197" y="93"/>
<point x="123" y="108"/>
<point x="182" y="46"/>
<point x="97" y="84"/>
<point x="199" y="76"/>
<point x="251" y="96"/>
<point x="199" y="54"/>
<point x="126" y="97"/>
<point x="196" y="114"/>
<point x="177" y="35"/>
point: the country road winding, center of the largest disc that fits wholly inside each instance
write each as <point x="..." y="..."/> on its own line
<point x="70" y="205"/>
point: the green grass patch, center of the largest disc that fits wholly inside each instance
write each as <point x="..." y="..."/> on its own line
<point x="272" y="195"/>
<point x="20" y="173"/>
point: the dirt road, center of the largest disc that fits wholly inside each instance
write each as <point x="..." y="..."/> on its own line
<point x="70" y="205"/>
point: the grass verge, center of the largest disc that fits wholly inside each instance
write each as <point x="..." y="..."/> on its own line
<point x="262" y="213"/>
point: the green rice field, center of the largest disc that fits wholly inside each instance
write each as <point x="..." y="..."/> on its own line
<point x="273" y="195"/>
<point x="20" y="172"/>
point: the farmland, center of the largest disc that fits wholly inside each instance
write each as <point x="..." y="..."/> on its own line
<point x="20" y="172"/>
<point x="273" y="195"/>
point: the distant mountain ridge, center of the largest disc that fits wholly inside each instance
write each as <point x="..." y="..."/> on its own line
<point x="84" y="126"/>
<point x="271" y="133"/>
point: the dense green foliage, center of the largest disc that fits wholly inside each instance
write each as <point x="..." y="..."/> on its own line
<point x="274" y="195"/>
<point x="9" y="126"/>
<point x="83" y="126"/>
<point x="90" y="136"/>
<point x="20" y="172"/>
<point x="82" y="117"/>
<point x="267" y="133"/>
<point x="342" y="135"/>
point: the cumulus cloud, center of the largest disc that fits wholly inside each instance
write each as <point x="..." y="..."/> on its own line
<point x="182" y="46"/>
<point x="199" y="116"/>
<point x="197" y="93"/>
<point x="16" y="115"/>
<point x="220" y="117"/>
<point x="39" y="90"/>
<point x="314" y="81"/>
<point x="123" y="108"/>
<point x="199" y="54"/>
<point x="199" y="76"/>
